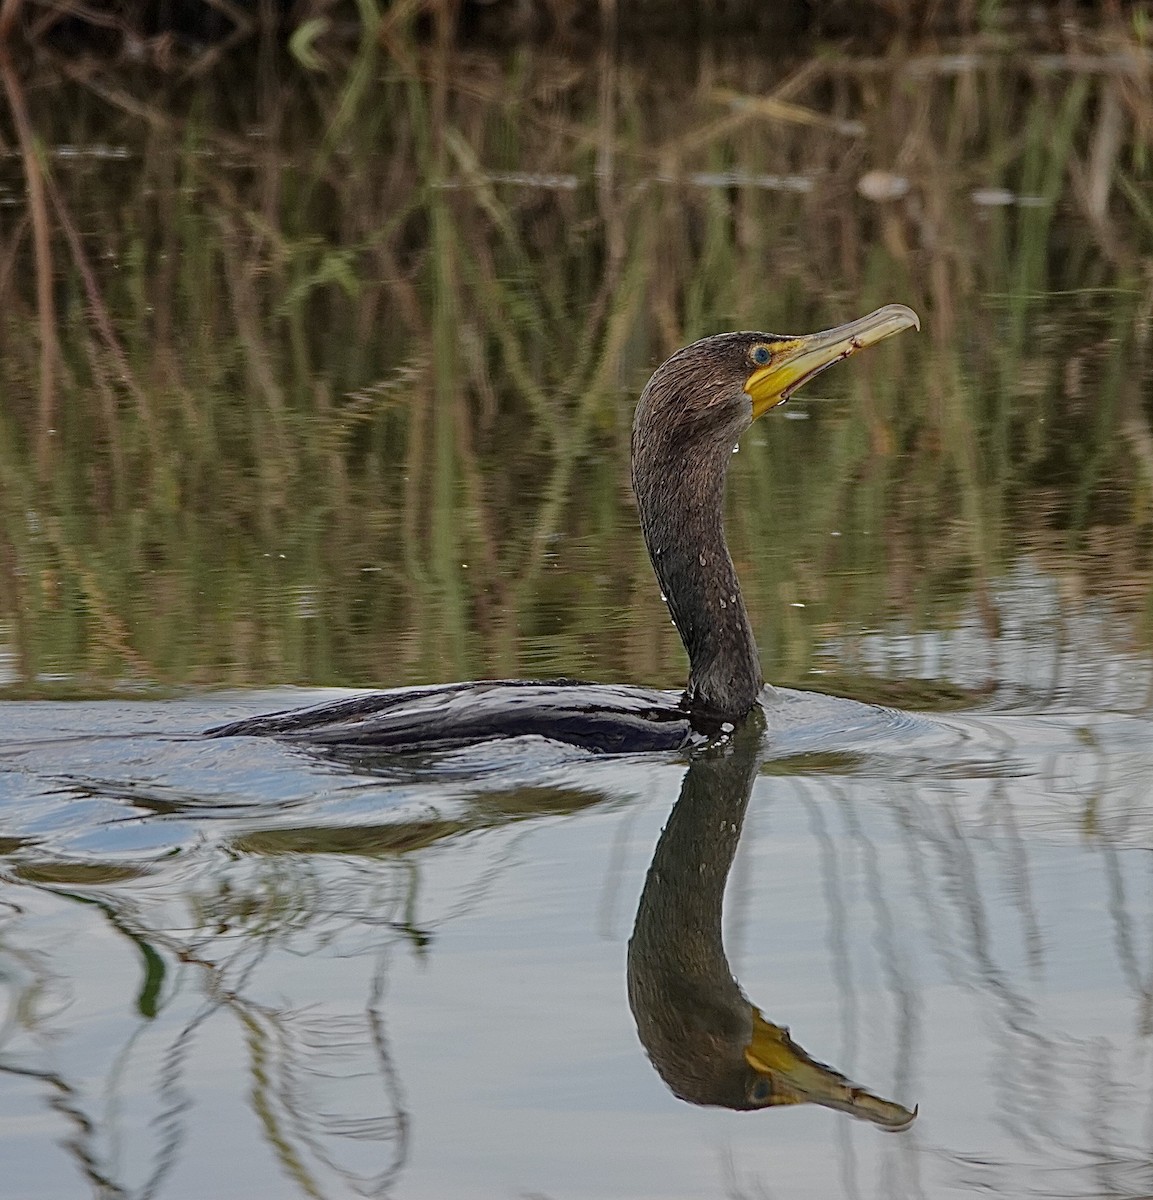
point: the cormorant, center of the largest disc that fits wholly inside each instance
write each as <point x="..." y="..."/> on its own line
<point x="687" y="423"/>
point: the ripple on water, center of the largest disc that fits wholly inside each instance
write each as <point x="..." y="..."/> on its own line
<point x="139" y="785"/>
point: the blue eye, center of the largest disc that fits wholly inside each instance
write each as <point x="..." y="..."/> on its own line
<point x="760" y="1091"/>
<point x="760" y="355"/>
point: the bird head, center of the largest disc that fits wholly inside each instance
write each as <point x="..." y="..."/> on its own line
<point x="721" y="384"/>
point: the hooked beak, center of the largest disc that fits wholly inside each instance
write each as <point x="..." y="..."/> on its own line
<point x="797" y="360"/>
<point x="796" y="1078"/>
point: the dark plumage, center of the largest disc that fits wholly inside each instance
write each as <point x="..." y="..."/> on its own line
<point x="690" y="416"/>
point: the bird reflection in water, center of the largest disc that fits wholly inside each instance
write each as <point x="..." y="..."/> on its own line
<point x="706" y="1040"/>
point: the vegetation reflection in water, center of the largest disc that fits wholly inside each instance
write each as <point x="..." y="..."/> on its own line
<point x="393" y="982"/>
<point x="338" y="388"/>
<point x="210" y="941"/>
<point x="438" y="347"/>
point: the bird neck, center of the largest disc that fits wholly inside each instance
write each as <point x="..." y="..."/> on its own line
<point x="680" y="491"/>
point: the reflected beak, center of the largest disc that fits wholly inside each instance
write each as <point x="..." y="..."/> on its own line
<point x="797" y="360"/>
<point x="796" y="1078"/>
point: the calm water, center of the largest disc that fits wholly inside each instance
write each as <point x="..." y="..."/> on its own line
<point x="229" y="967"/>
<point x="342" y="397"/>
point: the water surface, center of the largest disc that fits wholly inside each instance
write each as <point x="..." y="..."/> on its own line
<point x="334" y="390"/>
<point x="226" y="965"/>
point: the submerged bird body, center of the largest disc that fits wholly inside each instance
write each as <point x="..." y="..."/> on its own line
<point x="604" y="718"/>
<point x="688" y="421"/>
